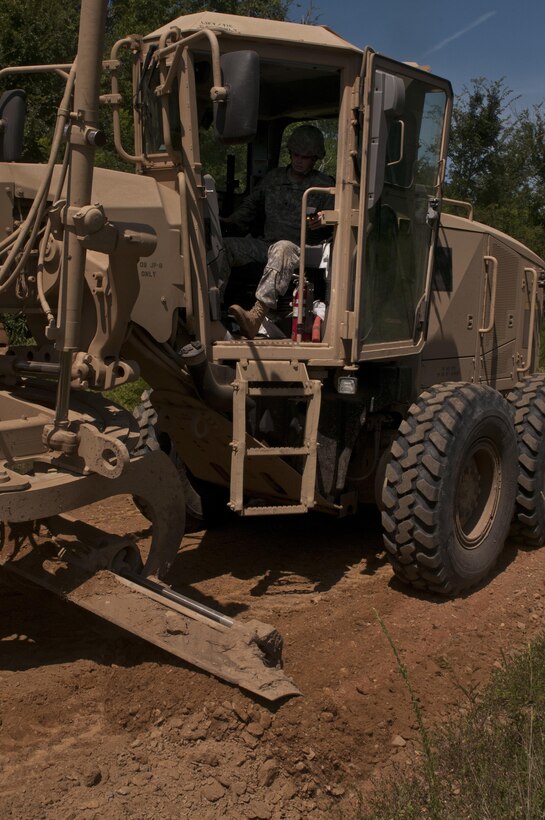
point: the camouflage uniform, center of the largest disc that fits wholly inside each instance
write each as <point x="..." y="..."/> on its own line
<point x="279" y="199"/>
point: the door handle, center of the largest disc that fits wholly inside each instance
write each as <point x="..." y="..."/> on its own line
<point x="493" y="273"/>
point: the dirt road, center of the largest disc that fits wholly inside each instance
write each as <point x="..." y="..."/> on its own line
<point x="96" y="723"/>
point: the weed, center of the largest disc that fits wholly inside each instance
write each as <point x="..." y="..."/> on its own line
<point x="415" y="704"/>
<point x="490" y="764"/>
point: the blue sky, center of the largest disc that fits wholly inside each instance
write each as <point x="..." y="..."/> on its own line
<point x="459" y="39"/>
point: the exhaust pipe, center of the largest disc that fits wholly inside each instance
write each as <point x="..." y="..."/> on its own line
<point x="218" y="396"/>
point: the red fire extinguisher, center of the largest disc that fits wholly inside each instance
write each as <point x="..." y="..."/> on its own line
<point x="297" y="321"/>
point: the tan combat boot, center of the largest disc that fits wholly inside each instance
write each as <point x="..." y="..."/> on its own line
<point x="249" y="321"/>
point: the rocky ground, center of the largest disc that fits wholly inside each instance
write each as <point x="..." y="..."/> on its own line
<point x="96" y="723"/>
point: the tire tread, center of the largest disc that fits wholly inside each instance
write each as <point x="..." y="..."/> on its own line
<point x="412" y="490"/>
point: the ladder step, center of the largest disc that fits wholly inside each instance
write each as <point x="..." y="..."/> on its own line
<point x="277" y="451"/>
<point x="285" y="509"/>
<point x="284" y="392"/>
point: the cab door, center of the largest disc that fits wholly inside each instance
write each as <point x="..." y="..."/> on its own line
<point x="405" y="113"/>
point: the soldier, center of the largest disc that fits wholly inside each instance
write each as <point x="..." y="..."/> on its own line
<point x="278" y="199"/>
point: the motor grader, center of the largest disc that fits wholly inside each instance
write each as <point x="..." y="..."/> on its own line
<point x="399" y="371"/>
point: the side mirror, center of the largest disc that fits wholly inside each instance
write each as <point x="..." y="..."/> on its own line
<point x="387" y="106"/>
<point x="235" y="120"/>
<point x="12" y="123"/>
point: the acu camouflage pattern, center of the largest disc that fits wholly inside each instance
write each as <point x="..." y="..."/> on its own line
<point x="280" y="260"/>
<point x="278" y="198"/>
<point x="308" y="141"/>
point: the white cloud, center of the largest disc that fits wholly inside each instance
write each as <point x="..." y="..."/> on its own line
<point x="479" y="21"/>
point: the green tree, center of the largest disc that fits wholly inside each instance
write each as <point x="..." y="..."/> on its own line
<point x="497" y="161"/>
<point x="529" y="138"/>
<point x="479" y="138"/>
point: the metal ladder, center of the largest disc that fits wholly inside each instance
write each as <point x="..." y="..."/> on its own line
<point x="261" y="378"/>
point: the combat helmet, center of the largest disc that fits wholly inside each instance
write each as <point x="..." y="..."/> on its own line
<point x="307" y="140"/>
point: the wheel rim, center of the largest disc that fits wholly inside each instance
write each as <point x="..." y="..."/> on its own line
<point x="477" y="493"/>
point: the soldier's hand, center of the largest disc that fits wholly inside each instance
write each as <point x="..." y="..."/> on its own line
<point x="314" y="221"/>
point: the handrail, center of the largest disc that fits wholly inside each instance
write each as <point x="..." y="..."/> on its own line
<point x="184" y="226"/>
<point x="301" y="282"/>
<point x="116" y="97"/>
<point x="533" y="303"/>
<point x="460" y="203"/>
<point x="218" y="91"/>
<point x="494" y="275"/>
<point x="58" y="68"/>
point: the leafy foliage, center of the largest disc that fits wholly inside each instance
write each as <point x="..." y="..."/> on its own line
<point x="479" y="141"/>
<point x="17" y="329"/>
<point x="497" y="161"/>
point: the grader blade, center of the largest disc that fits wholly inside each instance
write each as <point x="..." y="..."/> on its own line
<point x="98" y="572"/>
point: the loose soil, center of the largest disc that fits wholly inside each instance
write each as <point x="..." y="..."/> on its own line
<point x="96" y="723"/>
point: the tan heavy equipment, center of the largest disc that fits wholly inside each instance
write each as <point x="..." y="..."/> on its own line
<point x="403" y="375"/>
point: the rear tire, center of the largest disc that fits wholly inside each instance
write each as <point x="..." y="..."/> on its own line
<point x="528" y="401"/>
<point x="450" y="487"/>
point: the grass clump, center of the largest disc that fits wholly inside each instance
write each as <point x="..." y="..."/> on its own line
<point x="489" y="764"/>
<point x="128" y="395"/>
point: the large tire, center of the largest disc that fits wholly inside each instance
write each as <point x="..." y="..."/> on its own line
<point x="528" y="401"/>
<point x="450" y="487"/>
